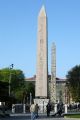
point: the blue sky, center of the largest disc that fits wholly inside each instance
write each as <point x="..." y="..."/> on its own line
<point x="18" y="34"/>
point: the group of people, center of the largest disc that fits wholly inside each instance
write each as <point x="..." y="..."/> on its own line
<point x="74" y="107"/>
<point x="59" y="109"/>
<point x="34" y="110"/>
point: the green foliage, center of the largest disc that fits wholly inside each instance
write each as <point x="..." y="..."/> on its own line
<point x="17" y="81"/>
<point x="73" y="81"/>
<point x="30" y="89"/>
<point x="4" y="75"/>
<point x="19" y="88"/>
<point x="3" y="89"/>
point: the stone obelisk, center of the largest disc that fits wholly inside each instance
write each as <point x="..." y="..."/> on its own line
<point x="53" y="74"/>
<point x="42" y="56"/>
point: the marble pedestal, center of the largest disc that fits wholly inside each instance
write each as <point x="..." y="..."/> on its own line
<point x="42" y="104"/>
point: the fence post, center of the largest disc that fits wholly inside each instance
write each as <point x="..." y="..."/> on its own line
<point x="24" y="108"/>
<point x="13" y="108"/>
<point x="65" y="108"/>
<point x="55" y="108"/>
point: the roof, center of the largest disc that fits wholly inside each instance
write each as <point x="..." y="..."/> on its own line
<point x="34" y="78"/>
<point x="31" y="78"/>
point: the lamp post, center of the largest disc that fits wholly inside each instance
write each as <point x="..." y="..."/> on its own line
<point x="11" y="67"/>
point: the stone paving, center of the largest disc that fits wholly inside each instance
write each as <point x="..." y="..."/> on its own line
<point x="27" y="117"/>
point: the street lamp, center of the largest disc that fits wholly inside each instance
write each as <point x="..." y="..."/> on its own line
<point x="11" y="67"/>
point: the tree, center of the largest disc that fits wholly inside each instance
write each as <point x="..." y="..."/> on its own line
<point x="30" y="88"/>
<point x="73" y="83"/>
<point x="3" y="90"/>
<point x="19" y="88"/>
<point x="17" y="80"/>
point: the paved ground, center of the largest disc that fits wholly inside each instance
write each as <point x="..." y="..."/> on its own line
<point x="27" y="117"/>
<point x="24" y="118"/>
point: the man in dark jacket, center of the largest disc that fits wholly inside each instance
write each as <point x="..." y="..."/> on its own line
<point x="48" y="107"/>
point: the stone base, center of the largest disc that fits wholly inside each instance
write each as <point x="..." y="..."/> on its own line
<point x="42" y="104"/>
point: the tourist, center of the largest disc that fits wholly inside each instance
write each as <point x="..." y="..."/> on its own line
<point x="59" y="107"/>
<point x="32" y="110"/>
<point x="36" y="110"/>
<point x="48" y="107"/>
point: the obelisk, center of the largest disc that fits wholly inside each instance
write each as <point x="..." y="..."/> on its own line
<point x="53" y="74"/>
<point x="42" y="56"/>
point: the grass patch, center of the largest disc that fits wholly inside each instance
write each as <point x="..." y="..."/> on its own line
<point x="72" y="116"/>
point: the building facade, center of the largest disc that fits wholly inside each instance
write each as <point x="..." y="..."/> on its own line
<point x="61" y="94"/>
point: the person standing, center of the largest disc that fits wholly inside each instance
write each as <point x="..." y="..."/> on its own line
<point x="36" y="110"/>
<point x="48" y="107"/>
<point x="33" y="112"/>
<point x="60" y="107"/>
